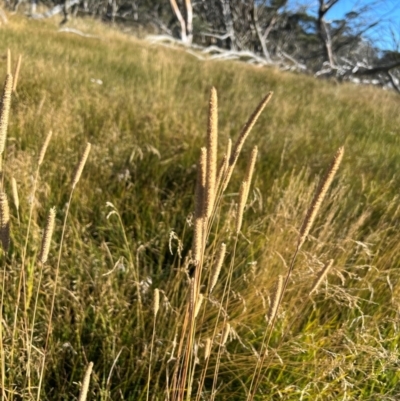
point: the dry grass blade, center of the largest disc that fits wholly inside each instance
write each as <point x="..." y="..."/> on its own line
<point x="16" y="73"/>
<point x="319" y="197"/>
<point x="47" y="235"/>
<point x="81" y="165"/>
<point x="321" y="276"/>
<point x="5" y="111"/>
<point x="85" y="383"/>
<point x="212" y="146"/>
<point x="4" y="222"/>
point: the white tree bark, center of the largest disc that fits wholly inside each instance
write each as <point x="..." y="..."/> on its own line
<point x="181" y="20"/>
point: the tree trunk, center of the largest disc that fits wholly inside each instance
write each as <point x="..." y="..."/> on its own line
<point x="181" y="20"/>
<point x="261" y="38"/>
<point x="189" y="21"/>
<point x="227" y="13"/>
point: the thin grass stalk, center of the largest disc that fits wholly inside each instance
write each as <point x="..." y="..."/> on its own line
<point x="8" y="61"/>
<point x="43" y="256"/>
<point x="85" y="383"/>
<point x="304" y="230"/>
<point x="226" y="293"/>
<point x="21" y="281"/>
<point x="224" y="338"/>
<point x="16" y="73"/>
<point x="2" y="353"/>
<point x="156" y="307"/>
<point x="77" y="175"/>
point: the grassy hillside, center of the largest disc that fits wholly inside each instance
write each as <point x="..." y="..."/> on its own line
<point x="129" y="228"/>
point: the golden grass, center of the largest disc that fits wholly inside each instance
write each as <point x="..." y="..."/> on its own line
<point x="95" y="300"/>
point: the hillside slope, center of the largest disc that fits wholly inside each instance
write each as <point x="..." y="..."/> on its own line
<point x="144" y="110"/>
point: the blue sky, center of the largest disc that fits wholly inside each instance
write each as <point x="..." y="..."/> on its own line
<point x="387" y="12"/>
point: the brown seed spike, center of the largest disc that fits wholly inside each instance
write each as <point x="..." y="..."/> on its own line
<point x="212" y="145"/>
<point x="5" y="111"/>
<point x="81" y="165"/>
<point x="47" y="234"/>
<point x="319" y="197"/>
<point x="4" y="222"/>
<point x="197" y="246"/>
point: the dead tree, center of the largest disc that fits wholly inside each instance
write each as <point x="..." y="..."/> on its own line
<point x="324" y="31"/>
<point x="185" y="23"/>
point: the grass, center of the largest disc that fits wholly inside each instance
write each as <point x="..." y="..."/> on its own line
<point x="131" y="218"/>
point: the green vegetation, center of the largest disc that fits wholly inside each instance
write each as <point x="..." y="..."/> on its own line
<point x="132" y="211"/>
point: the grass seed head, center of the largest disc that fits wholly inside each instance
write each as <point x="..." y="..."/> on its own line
<point x="81" y="165"/>
<point x="47" y="235"/>
<point x="15" y="192"/>
<point x="85" y="383"/>
<point x="43" y="150"/>
<point x="217" y="267"/>
<point x="276" y="299"/>
<point x="212" y="147"/>
<point x="319" y="197"/>
<point x="5" y="111"/>
<point x="156" y="302"/>
<point x="244" y="190"/>
<point x="4" y="222"/>
<point x="321" y="276"/>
